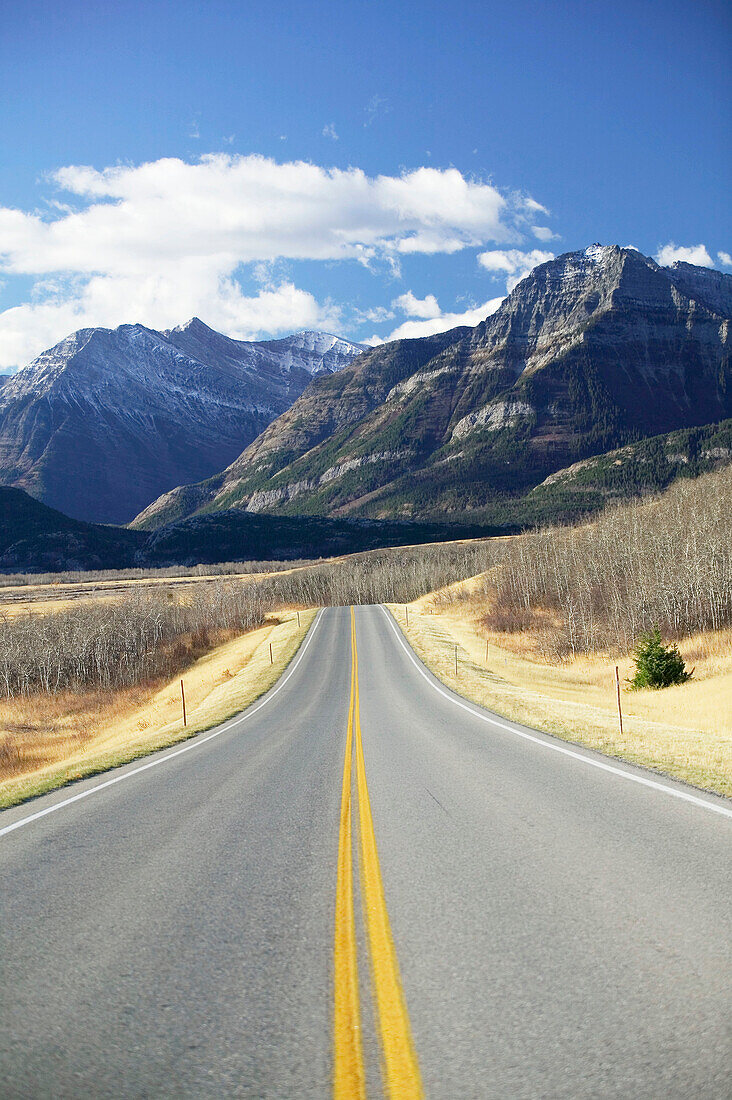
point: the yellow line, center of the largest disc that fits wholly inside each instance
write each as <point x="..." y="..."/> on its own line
<point x="348" y="1072"/>
<point x="401" y="1070"/>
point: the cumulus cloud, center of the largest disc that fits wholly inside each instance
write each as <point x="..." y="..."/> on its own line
<point x="426" y="307"/>
<point x="514" y="263"/>
<point x="329" y="131"/>
<point x="376" y="315"/>
<point x="725" y="260"/>
<point x="160" y="241"/>
<point x="442" y="321"/>
<point x="691" y="254"/>
<point x="33" y="326"/>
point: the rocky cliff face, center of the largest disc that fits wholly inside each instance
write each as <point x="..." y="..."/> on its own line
<point x="105" y="421"/>
<point x="591" y="351"/>
<point x="712" y="289"/>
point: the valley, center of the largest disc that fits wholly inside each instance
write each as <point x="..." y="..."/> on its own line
<point x="406" y="473"/>
<point x="536" y="623"/>
<point x="365" y="551"/>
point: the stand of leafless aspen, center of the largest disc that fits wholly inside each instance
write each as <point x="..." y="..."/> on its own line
<point x="665" y="562"/>
<point x="151" y="635"/>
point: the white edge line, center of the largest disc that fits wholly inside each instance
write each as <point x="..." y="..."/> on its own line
<point x="548" y="744"/>
<point x="194" y="743"/>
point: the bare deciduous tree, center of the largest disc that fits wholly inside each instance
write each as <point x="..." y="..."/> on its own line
<point x="665" y="562"/>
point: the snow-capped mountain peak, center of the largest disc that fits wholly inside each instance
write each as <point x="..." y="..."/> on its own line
<point x="598" y="253"/>
<point x="102" y="423"/>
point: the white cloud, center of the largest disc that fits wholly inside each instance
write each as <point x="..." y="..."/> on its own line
<point x="329" y="131"/>
<point x="160" y="241"/>
<point x="725" y="259"/>
<point x="543" y="233"/>
<point x="535" y="207"/>
<point x="240" y="209"/>
<point x="411" y="329"/>
<point x="427" y="307"/>
<point x="691" y="254"/>
<point x="29" y="328"/>
<point x="514" y="263"/>
<point x="375" y="315"/>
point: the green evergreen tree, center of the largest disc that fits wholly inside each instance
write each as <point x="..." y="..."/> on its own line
<point x="657" y="665"/>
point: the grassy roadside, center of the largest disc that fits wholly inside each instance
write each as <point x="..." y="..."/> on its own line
<point x="84" y="742"/>
<point x="683" y="732"/>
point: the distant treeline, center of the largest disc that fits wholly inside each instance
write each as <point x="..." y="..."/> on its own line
<point x="665" y="562"/>
<point x="149" y="636"/>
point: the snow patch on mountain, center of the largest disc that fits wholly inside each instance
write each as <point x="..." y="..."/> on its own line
<point x="598" y="253"/>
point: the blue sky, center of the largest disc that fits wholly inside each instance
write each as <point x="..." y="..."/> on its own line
<point x="370" y="168"/>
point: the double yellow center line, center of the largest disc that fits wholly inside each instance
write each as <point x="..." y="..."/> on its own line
<point x="400" y="1068"/>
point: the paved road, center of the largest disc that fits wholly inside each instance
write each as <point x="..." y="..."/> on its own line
<point x="549" y="928"/>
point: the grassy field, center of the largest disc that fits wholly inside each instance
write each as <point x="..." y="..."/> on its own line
<point x="47" y="741"/>
<point x="683" y="731"/>
<point x="59" y="596"/>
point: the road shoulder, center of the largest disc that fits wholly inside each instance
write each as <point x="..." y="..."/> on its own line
<point x="218" y="686"/>
<point x="524" y="692"/>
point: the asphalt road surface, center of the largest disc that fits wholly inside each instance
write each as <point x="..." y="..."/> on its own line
<point x="366" y="883"/>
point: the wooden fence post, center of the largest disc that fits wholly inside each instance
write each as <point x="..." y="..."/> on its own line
<point x="183" y="700"/>
<point x="617" y="688"/>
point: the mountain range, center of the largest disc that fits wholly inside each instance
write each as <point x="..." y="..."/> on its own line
<point x="592" y="352"/>
<point x="108" y="419"/>
<point x="602" y="374"/>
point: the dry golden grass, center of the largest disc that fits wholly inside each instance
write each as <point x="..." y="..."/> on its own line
<point x="16" y="608"/>
<point x="49" y="740"/>
<point x="52" y="587"/>
<point x="47" y="598"/>
<point x="683" y="731"/>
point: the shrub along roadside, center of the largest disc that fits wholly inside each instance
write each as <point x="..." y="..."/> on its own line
<point x="657" y="665"/>
<point x="141" y="639"/>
